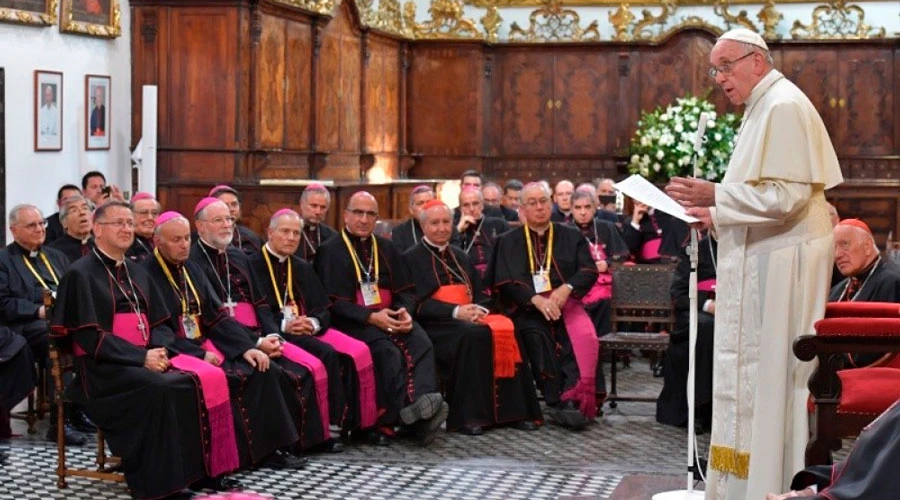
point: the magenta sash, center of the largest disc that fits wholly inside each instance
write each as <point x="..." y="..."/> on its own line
<point x="386" y="299"/>
<point x="320" y="375"/>
<point x="245" y="314"/>
<point x="223" y="454"/>
<point x="365" y="371"/>
<point x="587" y="349"/>
<point x="125" y="326"/>
<point x="650" y="249"/>
<point x="707" y="285"/>
<point x="602" y="289"/>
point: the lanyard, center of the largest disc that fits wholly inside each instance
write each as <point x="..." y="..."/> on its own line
<point x="312" y="249"/>
<point x="226" y="285"/>
<point x="37" y="275"/>
<point x="357" y="263"/>
<point x="461" y="275"/>
<point x="531" y="254"/>
<point x="289" y="288"/>
<point x="136" y="304"/>
<point x="475" y="236"/>
<point x="188" y="283"/>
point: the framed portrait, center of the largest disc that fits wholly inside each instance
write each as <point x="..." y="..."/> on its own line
<point x="48" y="114"/>
<point x="32" y="12"/>
<point x="97" y="101"/>
<point x="99" y="18"/>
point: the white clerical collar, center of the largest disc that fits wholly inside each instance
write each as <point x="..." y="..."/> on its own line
<point x="212" y="246"/>
<point x="541" y="231"/>
<point x="767" y="81"/>
<point x="118" y="262"/>
<point x="439" y="247"/>
<point x="281" y="258"/>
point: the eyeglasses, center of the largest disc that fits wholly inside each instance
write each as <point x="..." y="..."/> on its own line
<point x="34" y="226"/>
<point x="117" y="223"/>
<point x="363" y="213"/>
<point x="727" y="67"/>
<point x="218" y="221"/>
<point x="537" y="202"/>
<point x="144" y="213"/>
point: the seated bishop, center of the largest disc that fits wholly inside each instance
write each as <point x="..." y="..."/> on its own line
<point x="478" y="232"/>
<point x="479" y="359"/>
<point x="75" y="215"/>
<point x="301" y="307"/>
<point x="373" y="300"/>
<point x="238" y="289"/>
<point x="157" y="417"/>
<point x="540" y="273"/>
<point x="867" y="276"/>
<point x="209" y="340"/>
<point x="314" y="204"/>
<point x="146" y="209"/>
<point x="244" y="238"/>
<point x="408" y="233"/>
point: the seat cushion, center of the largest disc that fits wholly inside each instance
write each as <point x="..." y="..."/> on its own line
<point x="862" y="309"/>
<point x="868" y="390"/>
<point x="863" y="327"/>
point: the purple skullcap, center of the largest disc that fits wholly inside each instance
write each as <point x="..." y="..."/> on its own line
<point x="222" y="188"/>
<point x="284" y="211"/>
<point x="315" y="186"/>
<point x="143" y="195"/>
<point x="205" y="202"/>
<point x="166" y="217"/>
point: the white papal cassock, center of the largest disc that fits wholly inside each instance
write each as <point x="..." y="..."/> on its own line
<point x="774" y="270"/>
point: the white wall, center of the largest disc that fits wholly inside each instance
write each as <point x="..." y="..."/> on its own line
<point x="34" y="177"/>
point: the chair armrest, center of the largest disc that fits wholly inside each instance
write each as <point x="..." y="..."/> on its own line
<point x="825" y="384"/>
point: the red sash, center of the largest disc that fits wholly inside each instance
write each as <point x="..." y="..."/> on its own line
<point x="245" y="314"/>
<point x="386" y="299"/>
<point x="506" y="349"/>
<point x="650" y="249"/>
<point x="320" y="375"/>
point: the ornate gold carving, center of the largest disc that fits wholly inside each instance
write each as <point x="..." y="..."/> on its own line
<point x="47" y="17"/>
<point x="552" y="23"/>
<point x="491" y="22"/>
<point x="621" y="20"/>
<point x="642" y="29"/>
<point x="447" y="21"/>
<point x="770" y="19"/>
<point x="613" y="3"/>
<point x="837" y="20"/>
<point x="318" y="6"/>
<point x="388" y="17"/>
<point x="741" y="19"/>
<point x="111" y="29"/>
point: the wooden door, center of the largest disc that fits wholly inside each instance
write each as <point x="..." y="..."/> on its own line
<point x="582" y="103"/>
<point x="526" y="103"/>
<point x="815" y="71"/>
<point x="865" y="107"/>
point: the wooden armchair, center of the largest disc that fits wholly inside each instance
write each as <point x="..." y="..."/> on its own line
<point x="844" y="399"/>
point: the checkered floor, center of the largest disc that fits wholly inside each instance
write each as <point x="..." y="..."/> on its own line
<point x="503" y="463"/>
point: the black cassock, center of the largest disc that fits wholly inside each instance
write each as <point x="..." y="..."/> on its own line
<point x="404" y="363"/>
<point x="141" y="249"/>
<point x="671" y="407"/>
<point x="547" y="345"/>
<point x="673" y="233"/>
<point x="879" y="282"/>
<point x="408" y="234"/>
<point x="343" y="385"/>
<point x="54" y="228"/>
<point x="870" y="470"/>
<point x="311" y="239"/>
<point x="230" y="272"/>
<point x="262" y="419"/>
<point x="156" y="422"/>
<point x="22" y="294"/>
<point x="72" y="247"/>
<point x="16" y="372"/>
<point x="246" y="240"/>
<point x="464" y="350"/>
<point x="609" y="246"/>
<point x="477" y="241"/>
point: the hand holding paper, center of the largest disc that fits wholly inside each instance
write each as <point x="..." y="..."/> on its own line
<point x="643" y="191"/>
<point x="691" y="192"/>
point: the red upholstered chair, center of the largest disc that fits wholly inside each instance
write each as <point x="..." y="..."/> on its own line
<point x="844" y="400"/>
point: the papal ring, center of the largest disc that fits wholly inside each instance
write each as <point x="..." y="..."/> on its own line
<point x="391" y="330"/>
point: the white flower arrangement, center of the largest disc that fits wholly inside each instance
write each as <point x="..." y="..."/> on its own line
<point x="663" y="145"/>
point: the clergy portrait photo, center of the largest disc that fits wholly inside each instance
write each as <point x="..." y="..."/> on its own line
<point x="48" y="110"/>
<point x="97" y="102"/>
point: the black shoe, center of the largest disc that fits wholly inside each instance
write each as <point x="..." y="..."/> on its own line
<point x="333" y="445"/>
<point x="80" y="421"/>
<point x="378" y="438"/>
<point x="428" y="429"/>
<point x="568" y="415"/>
<point x="471" y="430"/>
<point x="284" y="461"/>
<point x="526" y="425"/>
<point x="221" y="483"/>
<point x="423" y="408"/>
<point x="73" y="437"/>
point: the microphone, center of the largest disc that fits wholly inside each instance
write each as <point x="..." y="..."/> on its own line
<point x="701" y="130"/>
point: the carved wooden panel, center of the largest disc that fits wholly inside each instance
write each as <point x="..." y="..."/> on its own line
<point x="445" y="92"/>
<point x="382" y="96"/>
<point x="582" y="101"/>
<point x="214" y="167"/>
<point x="329" y="88"/>
<point x="351" y="93"/>
<point x="269" y="91"/>
<point x="298" y="74"/>
<point x="865" y="103"/>
<point x="147" y="63"/>
<point x="670" y="71"/>
<point x="815" y="72"/>
<point x="526" y="102"/>
<point x="202" y="81"/>
<point x="877" y="205"/>
<point x="550" y="169"/>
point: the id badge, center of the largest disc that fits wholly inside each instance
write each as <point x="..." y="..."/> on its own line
<point x="370" y="294"/>
<point x="190" y="326"/>
<point x="541" y="282"/>
<point x="289" y="312"/>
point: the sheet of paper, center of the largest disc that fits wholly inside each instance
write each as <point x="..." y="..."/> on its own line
<point x="643" y="191"/>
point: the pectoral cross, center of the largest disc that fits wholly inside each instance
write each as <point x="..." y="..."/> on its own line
<point x="230" y="305"/>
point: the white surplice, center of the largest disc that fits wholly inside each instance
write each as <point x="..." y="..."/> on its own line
<point x="774" y="270"/>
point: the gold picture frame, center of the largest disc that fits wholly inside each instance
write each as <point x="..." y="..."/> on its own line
<point x="634" y="3"/>
<point x="100" y="18"/>
<point x="34" y="13"/>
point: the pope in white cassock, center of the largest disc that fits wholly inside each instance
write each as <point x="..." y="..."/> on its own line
<point x="774" y="269"/>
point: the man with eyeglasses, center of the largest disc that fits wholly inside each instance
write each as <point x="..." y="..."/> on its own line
<point x="29" y="270"/>
<point x="775" y="254"/>
<point x="75" y="214"/>
<point x="244" y="237"/>
<point x="540" y="272"/>
<point x="373" y="301"/>
<point x="146" y="209"/>
<point x="314" y="204"/>
<point x="54" y="224"/>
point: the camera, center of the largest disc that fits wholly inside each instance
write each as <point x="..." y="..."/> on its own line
<point x="106" y="190"/>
